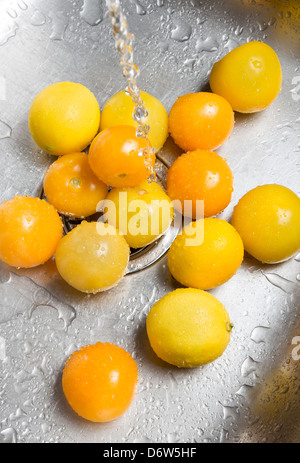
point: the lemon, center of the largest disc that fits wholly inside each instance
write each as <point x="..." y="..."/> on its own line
<point x="64" y="118"/>
<point x="188" y="328"/>
<point x="142" y="213"/>
<point x="206" y="254"/>
<point x="118" y="110"/>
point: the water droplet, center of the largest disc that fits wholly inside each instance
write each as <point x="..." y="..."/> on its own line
<point x="182" y="31"/>
<point x="38" y="18"/>
<point x="208" y="45"/>
<point x="230" y="44"/>
<point x="244" y="391"/>
<point x="257" y="64"/>
<point x="12" y="13"/>
<point x="172" y="438"/>
<point x="280" y="282"/>
<point x="238" y="30"/>
<point x="22" y="5"/>
<point x="92" y="12"/>
<point x="140" y="9"/>
<point x="5" y="130"/>
<point x="8" y="436"/>
<point x="230" y="412"/>
<point x="258" y="335"/>
<point x="59" y="25"/>
<point x="2" y="348"/>
<point x="75" y="182"/>
<point x="249" y="366"/>
<point x="11" y="32"/>
<point x="263" y="26"/>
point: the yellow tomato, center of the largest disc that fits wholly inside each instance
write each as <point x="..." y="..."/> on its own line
<point x="206" y="254"/>
<point x="141" y="214"/>
<point x="64" y="118"/>
<point x="118" y="110"/>
<point x="92" y="257"/>
<point x="268" y="221"/>
<point x="249" y="77"/>
<point x="188" y="328"/>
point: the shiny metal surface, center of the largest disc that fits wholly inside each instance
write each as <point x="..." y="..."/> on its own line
<point x="251" y="394"/>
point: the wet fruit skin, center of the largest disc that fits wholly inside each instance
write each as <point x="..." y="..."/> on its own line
<point x="142" y="214"/>
<point x="99" y="381"/>
<point x="118" y="110"/>
<point x="249" y="77"/>
<point x="115" y="157"/>
<point x="30" y="231"/>
<point x="64" y="118"/>
<point x="201" y="121"/>
<point x="211" y="260"/>
<point x="200" y="175"/>
<point x="72" y="187"/>
<point x="268" y="221"/>
<point x="188" y="328"/>
<point x="92" y="257"/>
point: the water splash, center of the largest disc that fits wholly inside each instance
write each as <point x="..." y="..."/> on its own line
<point x="124" y="45"/>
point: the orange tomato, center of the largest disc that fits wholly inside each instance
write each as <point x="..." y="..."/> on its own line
<point x="30" y="231"/>
<point x="99" y="381"/>
<point x="116" y="157"/>
<point x="71" y="186"/>
<point x="201" y="120"/>
<point x="200" y="175"/>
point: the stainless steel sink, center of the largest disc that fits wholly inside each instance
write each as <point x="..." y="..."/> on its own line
<point x="251" y="394"/>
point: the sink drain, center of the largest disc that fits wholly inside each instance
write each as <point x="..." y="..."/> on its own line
<point x="140" y="258"/>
